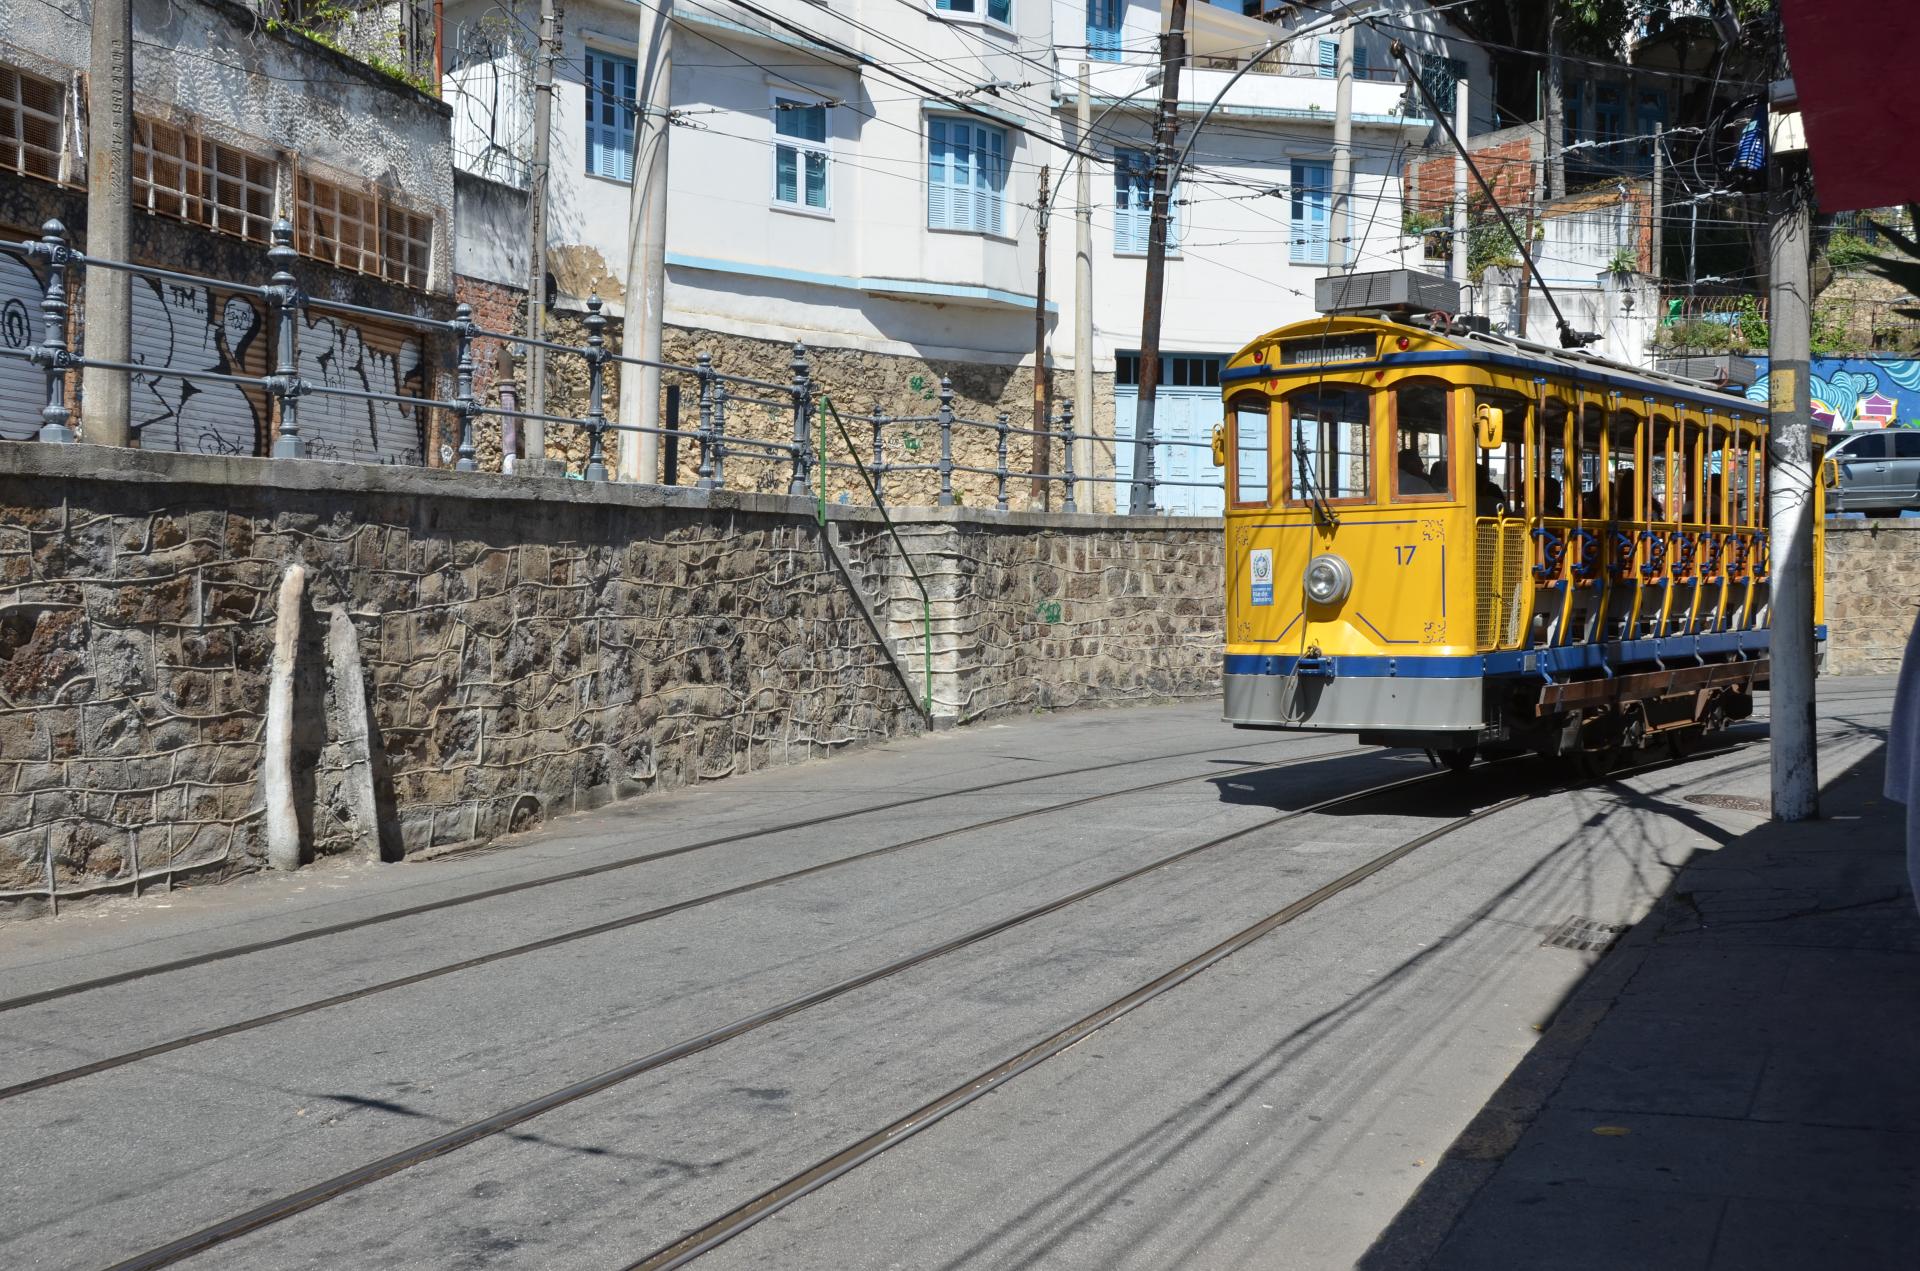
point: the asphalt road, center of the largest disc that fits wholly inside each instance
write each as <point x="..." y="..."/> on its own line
<point x="1273" y="1111"/>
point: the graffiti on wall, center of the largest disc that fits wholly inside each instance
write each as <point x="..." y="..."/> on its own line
<point x="23" y="387"/>
<point x="192" y="328"/>
<point x="1859" y="392"/>
<point x="339" y="354"/>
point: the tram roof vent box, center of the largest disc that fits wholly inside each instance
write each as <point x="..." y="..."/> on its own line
<point x="1729" y="371"/>
<point x="1401" y="292"/>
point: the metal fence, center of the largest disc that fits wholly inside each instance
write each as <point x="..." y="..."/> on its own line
<point x="793" y="411"/>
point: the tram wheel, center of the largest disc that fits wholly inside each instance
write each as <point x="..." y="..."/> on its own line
<point x="1597" y="763"/>
<point x="1682" y="742"/>
<point x="1461" y="759"/>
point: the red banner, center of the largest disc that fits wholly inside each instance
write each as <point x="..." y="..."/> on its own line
<point x="1850" y="60"/>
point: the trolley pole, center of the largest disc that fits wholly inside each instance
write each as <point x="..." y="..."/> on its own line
<point x="1173" y="51"/>
<point x="1795" y="767"/>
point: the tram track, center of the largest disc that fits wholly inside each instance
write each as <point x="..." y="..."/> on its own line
<point x="626" y="921"/>
<point x="588" y="871"/>
<point x="287" y="1206"/>
<point x="771" y="1201"/>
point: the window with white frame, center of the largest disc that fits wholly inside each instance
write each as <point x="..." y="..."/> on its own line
<point x="1105" y="20"/>
<point x="612" y="85"/>
<point x="1133" y="204"/>
<point x="1329" y="67"/>
<point x="1312" y="185"/>
<point x="966" y="175"/>
<point x="997" y="10"/>
<point x="800" y="155"/>
<point x="30" y="112"/>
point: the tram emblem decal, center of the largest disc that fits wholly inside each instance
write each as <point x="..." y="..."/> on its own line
<point x="1260" y="572"/>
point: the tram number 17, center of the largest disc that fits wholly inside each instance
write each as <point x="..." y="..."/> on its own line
<point x="1403" y="553"/>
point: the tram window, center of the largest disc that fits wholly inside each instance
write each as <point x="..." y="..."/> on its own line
<point x="1552" y="450"/>
<point x="1624" y="467"/>
<point x="1420" y="441"/>
<point x="1330" y="443"/>
<point x="1667" y="470"/>
<point x="1500" y="481"/>
<point x="1250" y="427"/>
<point x="1590" y="475"/>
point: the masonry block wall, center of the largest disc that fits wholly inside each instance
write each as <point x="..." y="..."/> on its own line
<point x="1872" y="593"/>
<point x="525" y="647"/>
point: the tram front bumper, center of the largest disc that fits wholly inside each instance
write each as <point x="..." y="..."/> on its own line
<point x="1370" y="703"/>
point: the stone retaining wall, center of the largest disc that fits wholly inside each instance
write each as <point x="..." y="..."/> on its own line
<point x="477" y="653"/>
<point x="1872" y="593"/>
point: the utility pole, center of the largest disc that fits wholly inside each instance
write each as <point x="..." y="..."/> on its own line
<point x="1556" y="106"/>
<point x="104" y="397"/>
<point x="535" y="431"/>
<point x="1173" y="52"/>
<point x="1083" y="282"/>
<point x="647" y="248"/>
<point x="1339" y="226"/>
<point x="1461" y="122"/>
<point x="1042" y="442"/>
<point x="1795" y="765"/>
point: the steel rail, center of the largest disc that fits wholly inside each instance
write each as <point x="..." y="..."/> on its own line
<point x="273" y="1211"/>
<point x="588" y="871"/>
<point x="774" y="1199"/>
<point x="622" y="923"/>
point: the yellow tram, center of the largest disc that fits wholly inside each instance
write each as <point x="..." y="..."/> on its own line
<point x="1448" y="539"/>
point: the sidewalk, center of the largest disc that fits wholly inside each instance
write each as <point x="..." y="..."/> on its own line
<point x="1737" y="1085"/>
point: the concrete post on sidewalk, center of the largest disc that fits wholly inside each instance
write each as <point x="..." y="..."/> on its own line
<point x="647" y="249"/>
<point x="1796" y="773"/>
<point x="105" y="398"/>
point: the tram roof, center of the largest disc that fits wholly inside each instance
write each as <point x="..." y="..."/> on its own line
<point x="1509" y="351"/>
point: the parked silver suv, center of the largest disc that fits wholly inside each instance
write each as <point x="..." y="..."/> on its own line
<point x="1879" y="471"/>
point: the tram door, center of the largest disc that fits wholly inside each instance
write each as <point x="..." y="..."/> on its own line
<point x="1186" y="409"/>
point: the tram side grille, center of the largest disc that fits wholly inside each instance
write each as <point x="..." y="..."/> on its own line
<point x="1512" y="573"/>
<point x="1486" y="580"/>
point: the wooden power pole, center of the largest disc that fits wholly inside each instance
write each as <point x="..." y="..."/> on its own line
<point x="1173" y="52"/>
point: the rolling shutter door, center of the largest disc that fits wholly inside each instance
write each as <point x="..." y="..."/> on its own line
<point x="23" y="386"/>
<point x="369" y="358"/>
<point x="195" y="329"/>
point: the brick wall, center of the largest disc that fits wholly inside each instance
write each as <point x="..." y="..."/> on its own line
<point x="1505" y="158"/>
<point x="527" y="646"/>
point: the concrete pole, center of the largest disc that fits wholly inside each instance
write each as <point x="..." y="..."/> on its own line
<point x="1340" y="215"/>
<point x="1173" y="53"/>
<point x="1659" y="207"/>
<point x="1795" y="769"/>
<point x="104" y="396"/>
<point x="1460" y="227"/>
<point x="537" y="182"/>
<point x="1083" y="285"/>
<point x="647" y="249"/>
<point x="1043" y="439"/>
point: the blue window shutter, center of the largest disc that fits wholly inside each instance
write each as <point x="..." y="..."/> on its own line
<point x="816" y="179"/>
<point x="1000" y="10"/>
<point x="938" y="214"/>
<point x="995" y="171"/>
<point x="1359" y="61"/>
<point x="786" y="174"/>
<point x="1104" y="21"/>
<point x="1307" y="204"/>
<point x="1329" y="59"/>
<point x="627" y="116"/>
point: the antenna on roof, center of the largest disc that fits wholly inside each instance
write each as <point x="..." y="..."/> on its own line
<point x="1569" y="337"/>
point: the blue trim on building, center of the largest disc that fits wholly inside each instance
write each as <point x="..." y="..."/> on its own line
<point x="902" y="287"/>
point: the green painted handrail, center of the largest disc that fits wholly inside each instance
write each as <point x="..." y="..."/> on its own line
<point x="926" y="602"/>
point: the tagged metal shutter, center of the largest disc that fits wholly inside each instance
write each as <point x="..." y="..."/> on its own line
<point x="192" y="328"/>
<point x="366" y="357"/>
<point x="23" y="386"/>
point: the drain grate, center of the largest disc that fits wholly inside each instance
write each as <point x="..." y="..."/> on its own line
<point x="1584" y="934"/>
<point x="1733" y="802"/>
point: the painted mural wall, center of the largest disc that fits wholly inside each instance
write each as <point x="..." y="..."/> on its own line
<point x="1859" y="392"/>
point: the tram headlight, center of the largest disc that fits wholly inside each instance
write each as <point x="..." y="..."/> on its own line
<point x="1328" y="579"/>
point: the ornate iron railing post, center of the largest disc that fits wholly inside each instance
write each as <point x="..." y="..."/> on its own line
<point x="946" y="442"/>
<point x="464" y="405"/>
<point x="596" y="355"/>
<point x="879" y="420"/>
<point x="51" y="354"/>
<point x="720" y="399"/>
<point x="283" y="293"/>
<point x="703" y="371"/>
<point x="1001" y="426"/>
<point x="802" y="419"/>
<point x="1066" y="455"/>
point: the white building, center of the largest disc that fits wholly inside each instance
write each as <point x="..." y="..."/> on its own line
<point x="864" y="175"/>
